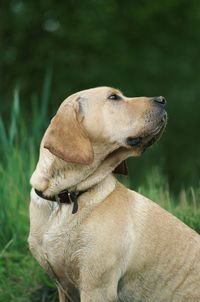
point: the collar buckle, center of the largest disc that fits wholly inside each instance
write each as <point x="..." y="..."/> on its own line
<point x="73" y="199"/>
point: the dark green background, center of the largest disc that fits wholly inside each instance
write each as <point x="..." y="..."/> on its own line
<point x="142" y="47"/>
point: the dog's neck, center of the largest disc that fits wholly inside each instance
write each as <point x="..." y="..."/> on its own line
<point x="52" y="175"/>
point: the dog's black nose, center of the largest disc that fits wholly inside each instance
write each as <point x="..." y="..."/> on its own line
<point x="160" y="100"/>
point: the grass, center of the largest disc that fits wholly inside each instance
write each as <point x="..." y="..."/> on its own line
<point x="21" y="278"/>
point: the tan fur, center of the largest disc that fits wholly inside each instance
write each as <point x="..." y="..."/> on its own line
<point x="119" y="246"/>
<point x="66" y="138"/>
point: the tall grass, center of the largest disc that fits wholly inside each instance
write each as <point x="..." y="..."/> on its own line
<point x="21" y="278"/>
<point x="19" y="141"/>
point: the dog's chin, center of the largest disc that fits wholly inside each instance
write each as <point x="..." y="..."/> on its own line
<point x="141" y="143"/>
<point x="149" y="140"/>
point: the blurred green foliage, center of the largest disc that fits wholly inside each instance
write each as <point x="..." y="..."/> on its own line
<point x="142" y="47"/>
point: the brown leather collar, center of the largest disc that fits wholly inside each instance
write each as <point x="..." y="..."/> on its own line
<point x="63" y="197"/>
<point x="71" y="197"/>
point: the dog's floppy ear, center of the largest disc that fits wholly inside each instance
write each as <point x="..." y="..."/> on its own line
<point x="66" y="138"/>
<point x="121" y="168"/>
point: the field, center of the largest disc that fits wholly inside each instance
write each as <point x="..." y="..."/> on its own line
<point x="21" y="278"/>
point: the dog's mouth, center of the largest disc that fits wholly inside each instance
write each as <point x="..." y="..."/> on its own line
<point x="144" y="141"/>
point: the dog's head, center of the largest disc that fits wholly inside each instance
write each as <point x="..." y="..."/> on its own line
<point x="96" y="129"/>
<point x="104" y="115"/>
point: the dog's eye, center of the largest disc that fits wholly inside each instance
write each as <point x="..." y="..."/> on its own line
<point x="114" y="97"/>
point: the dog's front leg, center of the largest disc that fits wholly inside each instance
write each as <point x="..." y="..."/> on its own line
<point x="99" y="295"/>
<point x="98" y="282"/>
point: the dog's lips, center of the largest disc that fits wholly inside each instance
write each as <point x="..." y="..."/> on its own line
<point x="145" y="141"/>
<point x="149" y="140"/>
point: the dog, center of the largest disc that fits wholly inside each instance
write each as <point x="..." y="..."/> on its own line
<point x="100" y="241"/>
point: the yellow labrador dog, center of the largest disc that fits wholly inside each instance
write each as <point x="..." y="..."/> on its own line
<point x="100" y="241"/>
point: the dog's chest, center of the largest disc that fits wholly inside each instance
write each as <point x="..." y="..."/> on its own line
<point x="60" y="250"/>
<point x="57" y="248"/>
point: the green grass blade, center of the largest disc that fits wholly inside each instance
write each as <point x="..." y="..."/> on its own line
<point x="46" y="92"/>
<point x="4" y="142"/>
<point x="14" y="117"/>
